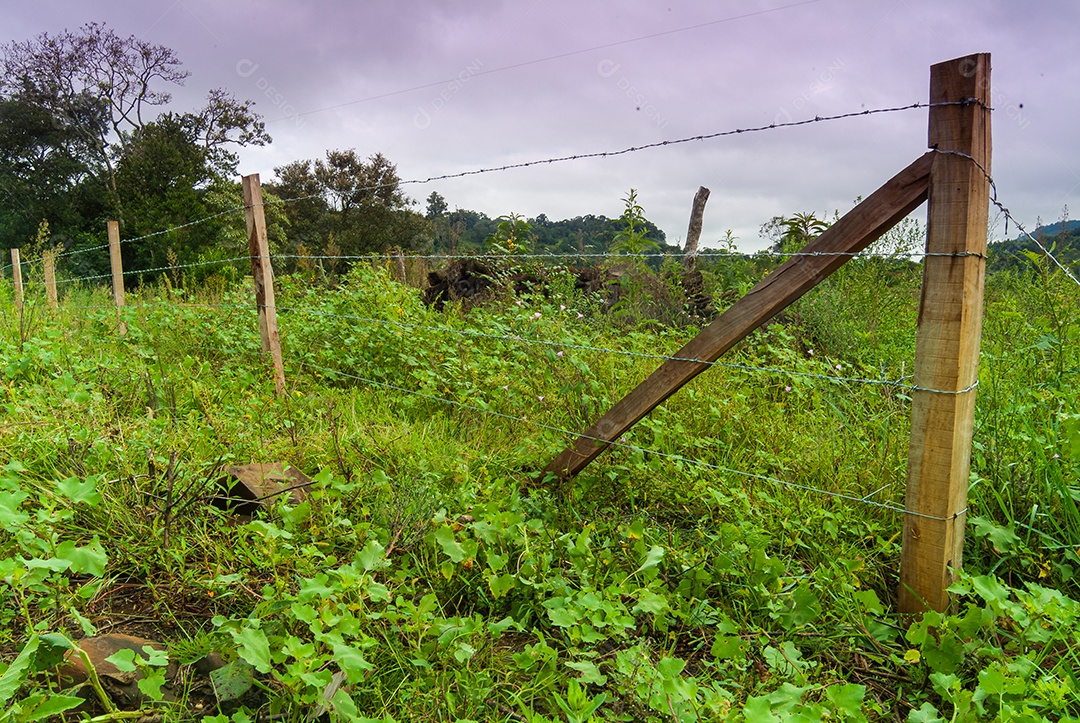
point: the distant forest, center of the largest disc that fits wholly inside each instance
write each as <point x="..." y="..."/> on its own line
<point x="463" y="231"/>
<point x="1062" y="239"/>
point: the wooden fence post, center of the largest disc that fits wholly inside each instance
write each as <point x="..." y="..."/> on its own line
<point x="16" y="276"/>
<point x="947" y="341"/>
<point x="399" y="264"/>
<point x="263" y="273"/>
<point x="117" y="274"/>
<point x="48" y="259"/>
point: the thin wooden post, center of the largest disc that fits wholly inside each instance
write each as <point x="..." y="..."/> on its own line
<point x="263" y="273"/>
<point x="693" y="233"/>
<point x="399" y="264"/>
<point x="856" y="230"/>
<point x="16" y="275"/>
<point x="117" y="274"/>
<point x="48" y="259"/>
<point x="948" y="336"/>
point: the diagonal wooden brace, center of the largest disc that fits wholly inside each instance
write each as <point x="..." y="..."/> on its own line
<point x="856" y="230"/>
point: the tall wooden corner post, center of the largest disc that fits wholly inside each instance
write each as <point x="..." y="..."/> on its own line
<point x="259" y="249"/>
<point x="950" y="325"/>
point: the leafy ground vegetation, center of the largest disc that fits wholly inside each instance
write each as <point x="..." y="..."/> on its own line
<point x="431" y="576"/>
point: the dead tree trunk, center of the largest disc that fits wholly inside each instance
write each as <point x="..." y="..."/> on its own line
<point x="693" y="234"/>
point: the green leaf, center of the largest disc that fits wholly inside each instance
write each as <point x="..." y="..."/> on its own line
<point x="233" y="680"/>
<point x="450" y="547"/>
<point x="498" y="627"/>
<point x="729" y="647"/>
<point x="80" y="491"/>
<point x="989" y="588"/>
<point x="344" y="706"/>
<point x="352" y="662"/>
<point x="944" y="656"/>
<point x="992" y="680"/>
<point x="650" y="602"/>
<point x="13" y="677"/>
<point x="848" y="698"/>
<point x="90" y="559"/>
<point x="50" y="563"/>
<point x="11" y="512"/>
<point x="868" y="599"/>
<point x="373" y="556"/>
<point x="670" y="667"/>
<point x="124" y="660"/>
<point x="589" y="672"/>
<point x="802" y="609"/>
<point x="42" y="707"/>
<point x="925" y="714"/>
<point x="759" y="710"/>
<point x="652" y="559"/>
<point x="500" y="585"/>
<point x="254" y="648"/>
<point x="378" y="592"/>
<point x="156" y="657"/>
<point x="50" y="652"/>
<point x="563" y="616"/>
<point x="151" y="682"/>
<point x="1003" y="539"/>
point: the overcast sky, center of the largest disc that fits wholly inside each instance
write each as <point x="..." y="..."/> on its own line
<point x="450" y="86"/>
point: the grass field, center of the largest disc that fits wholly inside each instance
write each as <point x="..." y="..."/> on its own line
<point x="735" y="557"/>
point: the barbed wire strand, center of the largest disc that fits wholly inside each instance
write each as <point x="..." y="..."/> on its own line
<point x="138" y="272"/>
<point x="643" y="147"/>
<point x="898" y="383"/>
<point x="636" y="448"/>
<point x="140" y="304"/>
<point x="1008" y="215"/>
<point x="618" y="443"/>
<point x="674" y="255"/>
<point x="546" y="161"/>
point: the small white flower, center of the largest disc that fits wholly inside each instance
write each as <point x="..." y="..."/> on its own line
<point x="536" y="315"/>
<point x="787" y="388"/>
<point x="562" y="307"/>
<point x="580" y="315"/>
<point x="559" y="354"/>
<point x="541" y="397"/>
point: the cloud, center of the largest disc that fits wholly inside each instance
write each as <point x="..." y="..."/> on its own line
<point x="441" y="87"/>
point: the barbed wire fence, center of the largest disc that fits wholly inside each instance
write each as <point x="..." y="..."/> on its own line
<point x="899" y="383"/>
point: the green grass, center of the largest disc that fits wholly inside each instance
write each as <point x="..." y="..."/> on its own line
<point x="431" y="576"/>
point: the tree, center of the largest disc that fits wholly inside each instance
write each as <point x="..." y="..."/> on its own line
<point x="307" y="209"/>
<point x="104" y="88"/>
<point x="160" y="176"/>
<point x="436" y="206"/>
<point x="359" y="202"/>
<point x="39" y="170"/>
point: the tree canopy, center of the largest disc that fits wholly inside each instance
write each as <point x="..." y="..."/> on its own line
<point x="87" y="133"/>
